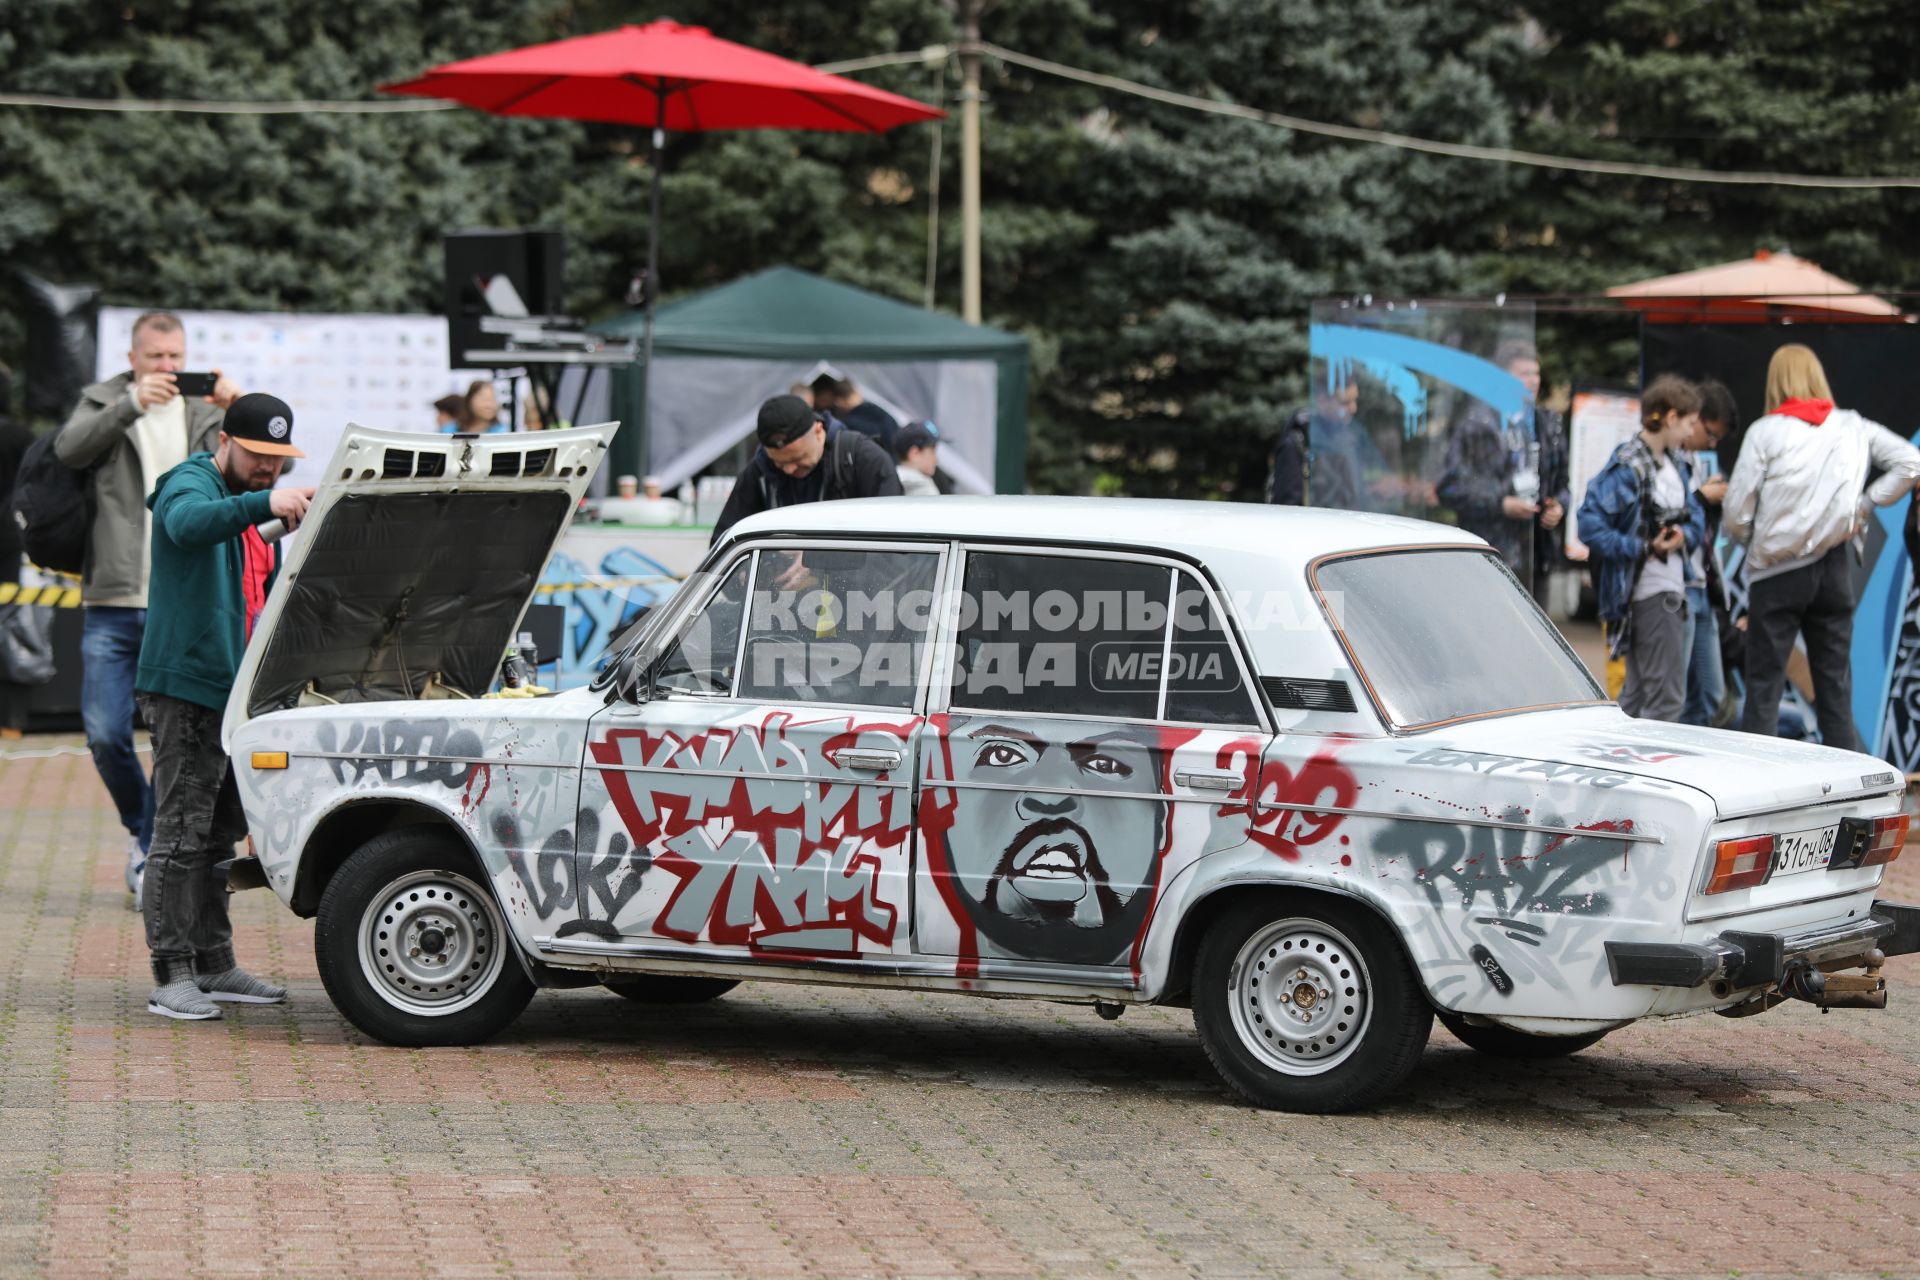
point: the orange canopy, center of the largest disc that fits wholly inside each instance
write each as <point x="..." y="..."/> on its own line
<point x="1766" y="286"/>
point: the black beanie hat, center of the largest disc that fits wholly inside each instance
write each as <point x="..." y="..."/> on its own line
<point x="784" y="419"/>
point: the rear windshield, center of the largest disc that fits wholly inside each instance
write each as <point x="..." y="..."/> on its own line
<point x="1447" y="635"/>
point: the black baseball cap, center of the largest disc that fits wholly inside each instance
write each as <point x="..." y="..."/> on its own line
<point x="784" y="419"/>
<point x="263" y="424"/>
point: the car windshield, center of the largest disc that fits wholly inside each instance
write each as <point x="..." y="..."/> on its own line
<point x="624" y="667"/>
<point x="1448" y="635"/>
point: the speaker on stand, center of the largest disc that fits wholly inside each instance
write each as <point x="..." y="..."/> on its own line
<point x="508" y="273"/>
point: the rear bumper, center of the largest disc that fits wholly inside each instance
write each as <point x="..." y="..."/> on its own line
<point x="1744" y="960"/>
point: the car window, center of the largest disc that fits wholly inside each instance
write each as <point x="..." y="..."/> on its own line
<point x="832" y="624"/>
<point x="701" y="660"/>
<point x="1204" y="681"/>
<point x="1445" y="635"/>
<point x="1064" y="635"/>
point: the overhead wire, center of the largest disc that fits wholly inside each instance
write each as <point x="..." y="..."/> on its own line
<point x="1386" y="138"/>
<point x="1461" y="150"/>
<point x="192" y="106"/>
<point x="1119" y="84"/>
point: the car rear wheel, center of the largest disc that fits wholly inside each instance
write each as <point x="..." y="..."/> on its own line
<point x="1504" y="1042"/>
<point x="412" y="947"/>
<point x="1308" y="1004"/>
<point x="655" y="988"/>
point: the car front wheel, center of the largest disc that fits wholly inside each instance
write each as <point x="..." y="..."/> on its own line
<point x="412" y="947"/>
<point x="1306" y="1003"/>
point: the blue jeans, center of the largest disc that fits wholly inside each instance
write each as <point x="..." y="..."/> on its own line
<point x="1706" y="681"/>
<point x="110" y="654"/>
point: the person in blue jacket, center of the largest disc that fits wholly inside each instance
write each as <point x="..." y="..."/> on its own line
<point x="1641" y="519"/>
<point x="212" y="570"/>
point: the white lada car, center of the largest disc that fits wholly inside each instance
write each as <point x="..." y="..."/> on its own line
<point x="1321" y="776"/>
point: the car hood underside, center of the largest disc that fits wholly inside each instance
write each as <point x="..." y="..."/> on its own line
<point x="400" y="589"/>
<point x="414" y="566"/>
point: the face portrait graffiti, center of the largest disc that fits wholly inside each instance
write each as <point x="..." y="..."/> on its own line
<point x="1055" y="842"/>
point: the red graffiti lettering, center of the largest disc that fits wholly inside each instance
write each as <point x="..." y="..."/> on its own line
<point x="761" y="859"/>
<point x="1281" y="813"/>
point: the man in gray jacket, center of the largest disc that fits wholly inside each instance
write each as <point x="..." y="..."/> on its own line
<point x="127" y="432"/>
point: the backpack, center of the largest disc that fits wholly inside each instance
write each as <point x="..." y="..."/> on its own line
<point x="1289" y="482"/>
<point x="53" y="505"/>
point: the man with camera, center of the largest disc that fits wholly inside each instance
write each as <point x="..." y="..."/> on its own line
<point x="125" y="434"/>
<point x="805" y="456"/>
<point x="1641" y="518"/>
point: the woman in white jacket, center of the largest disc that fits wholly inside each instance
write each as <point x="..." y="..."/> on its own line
<point x="1798" y="498"/>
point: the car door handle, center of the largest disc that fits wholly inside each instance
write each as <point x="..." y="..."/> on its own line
<point x="1208" y="779"/>
<point x="861" y="758"/>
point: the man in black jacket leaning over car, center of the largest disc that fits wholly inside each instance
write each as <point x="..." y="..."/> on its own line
<point x="805" y="457"/>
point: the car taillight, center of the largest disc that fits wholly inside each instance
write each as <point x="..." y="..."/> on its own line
<point x="1869" y="842"/>
<point x="1741" y="864"/>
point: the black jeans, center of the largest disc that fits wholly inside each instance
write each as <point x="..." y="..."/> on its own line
<point x="1815" y="601"/>
<point x="197" y="818"/>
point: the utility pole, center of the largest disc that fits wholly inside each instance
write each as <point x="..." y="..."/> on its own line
<point x="970" y="160"/>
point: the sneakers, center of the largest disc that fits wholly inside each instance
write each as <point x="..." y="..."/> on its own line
<point x="192" y="999"/>
<point x="136" y="869"/>
<point x="182" y="999"/>
<point x="237" y="986"/>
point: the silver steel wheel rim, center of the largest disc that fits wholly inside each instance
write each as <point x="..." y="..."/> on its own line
<point x="432" y="943"/>
<point x="1300" y="996"/>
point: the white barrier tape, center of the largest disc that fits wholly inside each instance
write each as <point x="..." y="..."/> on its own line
<point x="50" y="753"/>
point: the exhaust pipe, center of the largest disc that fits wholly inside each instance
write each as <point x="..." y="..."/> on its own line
<point x="1839" y="990"/>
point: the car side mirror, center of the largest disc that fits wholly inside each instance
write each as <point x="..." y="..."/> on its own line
<point x="623" y="678"/>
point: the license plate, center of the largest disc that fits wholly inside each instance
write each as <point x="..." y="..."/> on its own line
<point x="1798" y="851"/>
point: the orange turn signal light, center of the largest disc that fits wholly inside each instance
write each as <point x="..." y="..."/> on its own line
<point x="1741" y="864"/>
<point x="269" y="759"/>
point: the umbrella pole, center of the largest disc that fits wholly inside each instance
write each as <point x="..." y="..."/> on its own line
<point x="652" y="286"/>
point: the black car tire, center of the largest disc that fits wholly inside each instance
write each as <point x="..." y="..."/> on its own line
<point x="412" y="947"/>
<point x="659" y="988"/>
<point x="1504" y="1042"/>
<point x="1307" y="1003"/>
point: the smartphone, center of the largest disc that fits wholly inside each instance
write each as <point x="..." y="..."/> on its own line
<point x="195" y="384"/>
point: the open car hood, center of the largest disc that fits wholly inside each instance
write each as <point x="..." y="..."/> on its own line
<point x="414" y="566"/>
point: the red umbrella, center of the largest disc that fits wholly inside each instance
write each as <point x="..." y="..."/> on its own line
<point x="665" y="76"/>
<point x="1753" y="289"/>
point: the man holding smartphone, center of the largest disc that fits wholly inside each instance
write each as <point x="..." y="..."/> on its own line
<point x="126" y="433"/>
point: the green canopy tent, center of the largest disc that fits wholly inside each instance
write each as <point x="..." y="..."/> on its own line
<point x="718" y="354"/>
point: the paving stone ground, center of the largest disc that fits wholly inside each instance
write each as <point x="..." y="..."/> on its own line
<point x="789" y="1131"/>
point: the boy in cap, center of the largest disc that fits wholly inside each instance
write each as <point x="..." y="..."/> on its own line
<point x="211" y="574"/>
<point x="805" y="456"/>
<point x="917" y="445"/>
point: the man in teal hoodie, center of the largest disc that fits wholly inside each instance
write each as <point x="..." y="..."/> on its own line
<point x="211" y="571"/>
